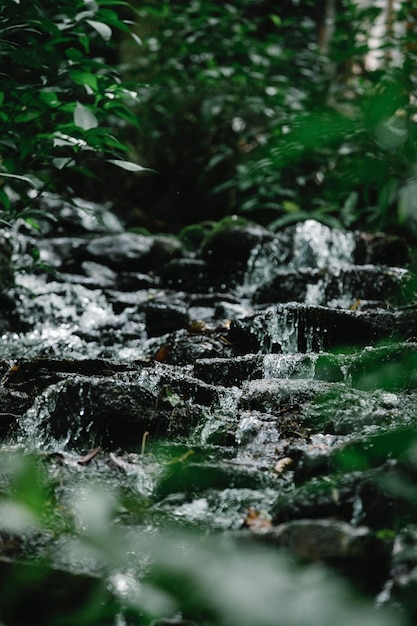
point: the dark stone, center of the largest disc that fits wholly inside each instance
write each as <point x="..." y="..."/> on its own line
<point x="228" y="372"/>
<point x="134" y="281"/>
<point x="97" y="411"/>
<point x="353" y="283"/>
<point x="364" y="283"/>
<point x="273" y="395"/>
<point x="379" y="433"/>
<point x="320" y="540"/>
<point x="191" y="389"/>
<point x="164" y="249"/>
<point x="121" y="252"/>
<point x="9" y="314"/>
<point x="301" y="328"/>
<point x="288" y="286"/>
<point x="161" y="318"/>
<point x="102" y="277"/>
<point x="27" y="375"/>
<point x="182" y="348"/>
<point x="13" y="404"/>
<point x="192" y="275"/>
<point x="76" y="218"/>
<point x="95" y="276"/>
<point x="381" y="249"/>
<point x="62" y="253"/>
<point x="232" y="243"/>
<point x="353" y="550"/>
<point x="355" y="497"/>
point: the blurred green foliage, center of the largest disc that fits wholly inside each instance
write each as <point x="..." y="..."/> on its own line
<point x="274" y="110"/>
<point x="147" y="577"/>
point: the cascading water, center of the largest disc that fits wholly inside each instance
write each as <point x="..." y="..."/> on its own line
<point x="188" y="422"/>
<point x="314" y="246"/>
<point x="318" y="246"/>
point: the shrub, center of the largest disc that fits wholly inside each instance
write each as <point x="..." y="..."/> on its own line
<point x="59" y="97"/>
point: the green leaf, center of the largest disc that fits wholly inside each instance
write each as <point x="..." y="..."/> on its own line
<point x="24" y="179"/>
<point x="84" y="78"/>
<point x="84" y="118"/>
<point x="136" y="38"/>
<point x="276" y="20"/>
<point x="103" y="29"/>
<point x="35" y="254"/>
<point x="129" y="166"/>
<point x="61" y="163"/>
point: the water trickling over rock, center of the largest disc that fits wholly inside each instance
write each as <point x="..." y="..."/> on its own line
<point x="239" y="387"/>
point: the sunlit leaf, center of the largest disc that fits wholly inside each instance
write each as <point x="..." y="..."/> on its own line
<point x="84" y="118"/>
<point x="136" y="38"/>
<point x="129" y="166"/>
<point x="61" y="163"/>
<point x="24" y="179"/>
<point x="103" y="29"/>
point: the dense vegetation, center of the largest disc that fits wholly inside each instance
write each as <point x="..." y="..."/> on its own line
<point x="279" y="112"/>
<point x="62" y="103"/>
<point x="275" y="114"/>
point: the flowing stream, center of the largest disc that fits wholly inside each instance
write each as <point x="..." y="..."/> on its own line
<point x="145" y="409"/>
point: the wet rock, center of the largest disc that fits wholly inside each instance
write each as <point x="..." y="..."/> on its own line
<point x="301" y="328"/>
<point x="218" y="371"/>
<point x="220" y="430"/>
<point x="29" y="374"/>
<point x="347" y="285"/>
<point x="381" y="249"/>
<point x="288" y="286"/>
<point x="62" y="253"/>
<point x="232" y="243"/>
<point x="121" y="252"/>
<point x="161" y="318"/>
<point x="275" y="395"/>
<point x="182" y="348"/>
<point x="133" y="281"/>
<point x="9" y="314"/>
<point x="95" y="276"/>
<point x="13" y="404"/>
<point x="165" y="248"/>
<point x="401" y="585"/>
<point x="354" y="550"/>
<point x="193" y="275"/>
<point x="343" y="410"/>
<point x="190" y="389"/>
<point x="320" y="540"/>
<point x="246" y="405"/>
<point x="397" y="443"/>
<point x="90" y="411"/>
<point x="76" y="218"/>
<point x="359" y="497"/>
<point x="318" y="366"/>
